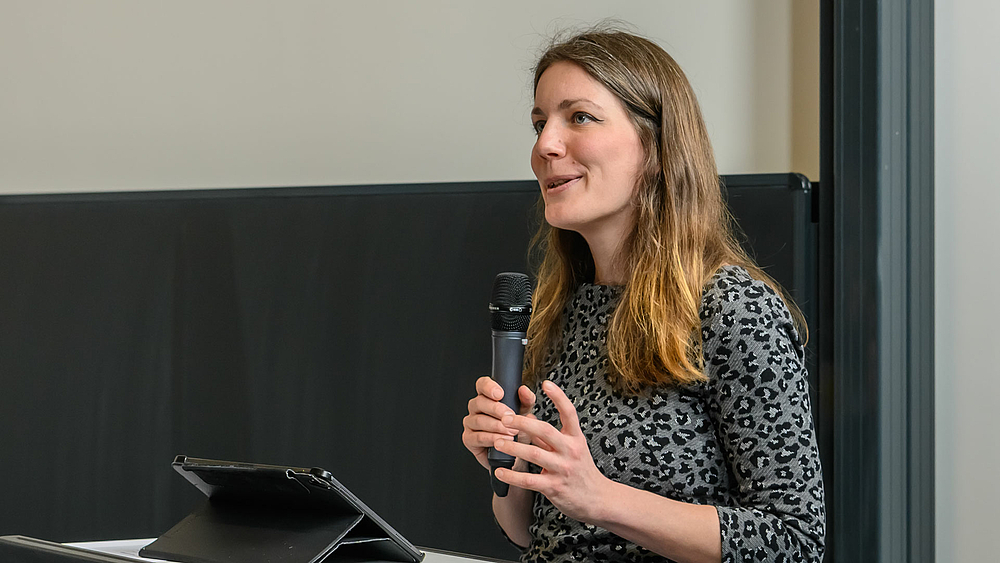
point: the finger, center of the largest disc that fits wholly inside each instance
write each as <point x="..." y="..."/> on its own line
<point x="486" y="387"/>
<point x="479" y="442"/>
<point x="536" y="429"/>
<point x="522" y="479"/>
<point x="483" y="440"/>
<point x="536" y="441"/>
<point x="524" y="436"/>
<point x="486" y="423"/>
<point x="567" y="410"/>
<point x="527" y="399"/>
<point x="485" y="405"/>
<point x="527" y="452"/>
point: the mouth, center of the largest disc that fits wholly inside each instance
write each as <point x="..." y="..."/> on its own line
<point x="558" y="184"/>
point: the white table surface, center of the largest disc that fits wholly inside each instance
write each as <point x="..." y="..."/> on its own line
<point x="130" y="549"/>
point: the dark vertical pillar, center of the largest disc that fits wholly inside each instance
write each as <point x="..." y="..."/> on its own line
<point x="823" y="325"/>
<point x="877" y="179"/>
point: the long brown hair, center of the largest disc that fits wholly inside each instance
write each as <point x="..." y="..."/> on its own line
<point x="683" y="232"/>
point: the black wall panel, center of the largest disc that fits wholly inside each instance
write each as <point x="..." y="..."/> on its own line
<point x="333" y="327"/>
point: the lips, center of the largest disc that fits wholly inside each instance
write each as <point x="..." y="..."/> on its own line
<point x="560" y="183"/>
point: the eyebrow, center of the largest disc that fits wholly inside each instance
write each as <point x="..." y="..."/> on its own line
<point x="566" y="104"/>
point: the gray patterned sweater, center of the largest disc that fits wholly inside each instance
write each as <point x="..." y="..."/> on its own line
<point x="743" y="442"/>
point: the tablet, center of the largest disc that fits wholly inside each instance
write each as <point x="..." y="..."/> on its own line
<point x="258" y="512"/>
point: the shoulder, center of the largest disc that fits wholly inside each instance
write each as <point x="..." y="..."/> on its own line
<point x="733" y="299"/>
<point x="745" y="324"/>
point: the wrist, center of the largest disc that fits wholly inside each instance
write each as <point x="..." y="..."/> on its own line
<point x="607" y="495"/>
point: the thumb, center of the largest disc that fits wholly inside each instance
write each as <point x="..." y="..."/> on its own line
<point x="527" y="399"/>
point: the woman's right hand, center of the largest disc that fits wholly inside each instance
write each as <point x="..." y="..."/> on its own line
<point x="482" y="426"/>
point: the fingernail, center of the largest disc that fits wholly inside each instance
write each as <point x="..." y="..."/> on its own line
<point x="507" y="420"/>
<point x="497" y="394"/>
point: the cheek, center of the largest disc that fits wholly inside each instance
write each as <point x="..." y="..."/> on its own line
<point x="535" y="162"/>
<point x="611" y="161"/>
<point x="629" y="160"/>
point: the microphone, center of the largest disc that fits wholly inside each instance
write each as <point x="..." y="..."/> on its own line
<point x="510" y="311"/>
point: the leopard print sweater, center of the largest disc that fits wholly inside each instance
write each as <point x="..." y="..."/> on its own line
<point x="743" y="441"/>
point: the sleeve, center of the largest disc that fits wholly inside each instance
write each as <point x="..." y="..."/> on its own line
<point x="503" y="532"/>
<point x="758" y="400"/>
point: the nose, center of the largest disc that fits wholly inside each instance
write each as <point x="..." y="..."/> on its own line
<point x="550" y="142"/>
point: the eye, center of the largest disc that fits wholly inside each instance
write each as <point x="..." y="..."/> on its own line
<point x="537" y="126"/>
<point x="580" y="118"/>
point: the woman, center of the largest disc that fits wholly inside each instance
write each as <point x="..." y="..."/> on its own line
<point x="674" y="420"/>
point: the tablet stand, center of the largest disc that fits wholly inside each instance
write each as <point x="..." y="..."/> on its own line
<point x="258" y="514"/>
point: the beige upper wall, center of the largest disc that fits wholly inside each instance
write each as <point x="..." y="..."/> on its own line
<point x="805" y="88"/>
<point x="124" y="95"/>
<point x="967" y="263"/>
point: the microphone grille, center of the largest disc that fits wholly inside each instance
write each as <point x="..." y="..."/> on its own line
<point x="511" y="290"/>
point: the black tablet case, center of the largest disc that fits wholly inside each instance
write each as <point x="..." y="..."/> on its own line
<point x="262" y="513"/>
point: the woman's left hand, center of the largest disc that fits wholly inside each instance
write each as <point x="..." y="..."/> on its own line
<point x="569" y="478"/>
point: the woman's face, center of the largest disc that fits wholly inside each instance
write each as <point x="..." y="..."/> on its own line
<point x="588" y="155"/>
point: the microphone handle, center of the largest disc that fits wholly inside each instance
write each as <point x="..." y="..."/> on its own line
<point x="508" y="362"/>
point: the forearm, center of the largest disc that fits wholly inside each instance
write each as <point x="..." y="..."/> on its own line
<point x="513" y="513"/>
<point x="683" y="532"/>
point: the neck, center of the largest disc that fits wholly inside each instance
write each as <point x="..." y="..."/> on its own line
<point x="605" y="249"/>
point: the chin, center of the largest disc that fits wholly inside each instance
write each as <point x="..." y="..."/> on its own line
<point x="563" y="223"/>
<point x="556" y="220"/>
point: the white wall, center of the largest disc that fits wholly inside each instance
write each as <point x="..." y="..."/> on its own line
<point x="967" y="268"/>
<point x="125" y="95"/>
